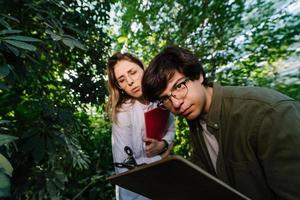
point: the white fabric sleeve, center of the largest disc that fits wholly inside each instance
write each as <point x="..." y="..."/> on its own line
<point x="122" y="135"/>
<point x="147" y="160"/>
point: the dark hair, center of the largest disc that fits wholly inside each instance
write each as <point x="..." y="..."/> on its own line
<point x="163" y="67"/>
<point x="116" y="96"/>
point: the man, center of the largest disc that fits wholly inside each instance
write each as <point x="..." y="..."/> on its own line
<point x="249" y="137"/>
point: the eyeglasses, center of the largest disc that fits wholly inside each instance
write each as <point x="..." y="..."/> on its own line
<point x="133" y="75"/>
<point x="179" y="91"/>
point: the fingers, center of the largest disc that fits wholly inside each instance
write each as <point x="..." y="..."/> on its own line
<point x="146" y="139"/>
<point x="149" y="140"/>
<point x="153" y="147"/>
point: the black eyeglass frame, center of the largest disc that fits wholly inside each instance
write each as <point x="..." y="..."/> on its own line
<point x="160" y="103"/>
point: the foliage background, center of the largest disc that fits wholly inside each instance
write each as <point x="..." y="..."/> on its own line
<point x="53" y="57"/>
<point x="52" y="76"/>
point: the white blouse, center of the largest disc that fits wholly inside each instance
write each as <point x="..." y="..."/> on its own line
<point x="130" y="131"/>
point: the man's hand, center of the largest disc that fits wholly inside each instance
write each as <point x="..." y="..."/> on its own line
<point x="153" y="146"/>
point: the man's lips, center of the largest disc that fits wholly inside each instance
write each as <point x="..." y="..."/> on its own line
<point x="185" y="111"/>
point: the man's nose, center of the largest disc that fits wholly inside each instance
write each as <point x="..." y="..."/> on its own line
<point x="176" y="102"/>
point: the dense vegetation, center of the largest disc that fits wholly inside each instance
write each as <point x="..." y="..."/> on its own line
<point x="52" y="64"/>
<point x="54" y="132"/>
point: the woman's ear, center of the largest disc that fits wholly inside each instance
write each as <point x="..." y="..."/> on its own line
<point x="201" y="79"/>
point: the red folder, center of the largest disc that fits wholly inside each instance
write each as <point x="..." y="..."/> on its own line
<point x="156" y="121"/>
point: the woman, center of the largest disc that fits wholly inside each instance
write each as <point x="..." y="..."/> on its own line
<point x="127" y="106"/>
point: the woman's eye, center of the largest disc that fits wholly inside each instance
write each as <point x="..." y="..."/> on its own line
<point x="133" y="72"/>
<point x="121" y="80"/>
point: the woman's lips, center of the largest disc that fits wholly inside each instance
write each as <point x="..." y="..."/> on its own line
<point x="135" y="90"/>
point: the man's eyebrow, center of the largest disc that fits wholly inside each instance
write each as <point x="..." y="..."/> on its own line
<point x="176" y="83"/>
<point x="173" y="87"/>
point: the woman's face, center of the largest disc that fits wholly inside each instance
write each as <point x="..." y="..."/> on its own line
<point x="129" y="77"/>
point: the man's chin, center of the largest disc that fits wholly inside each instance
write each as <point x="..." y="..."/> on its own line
<point x="190" y="116"/>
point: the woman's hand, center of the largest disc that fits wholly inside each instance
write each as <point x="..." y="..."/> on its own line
<point x="167" y="152"/>
<point x="153" y="146"/>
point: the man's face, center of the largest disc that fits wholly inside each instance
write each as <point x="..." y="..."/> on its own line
<point x="196" y="101"/>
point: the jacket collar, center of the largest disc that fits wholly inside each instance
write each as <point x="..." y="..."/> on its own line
<point x="213" y="116"/>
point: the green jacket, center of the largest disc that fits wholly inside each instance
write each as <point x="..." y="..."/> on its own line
<point x="258" y="132"/>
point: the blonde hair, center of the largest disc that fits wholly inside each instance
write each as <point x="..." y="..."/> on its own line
<point x="117" y="97"/>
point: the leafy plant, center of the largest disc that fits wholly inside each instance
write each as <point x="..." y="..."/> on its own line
<point x="51" y="68"/>
<point x="5" y="167"/>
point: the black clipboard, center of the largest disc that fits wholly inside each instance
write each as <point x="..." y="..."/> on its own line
<point x="174" y="178"/>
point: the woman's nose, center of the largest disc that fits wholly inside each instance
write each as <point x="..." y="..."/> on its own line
<point x="130" y="81"/>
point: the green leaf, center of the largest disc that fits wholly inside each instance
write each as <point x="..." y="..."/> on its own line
<point x="10" y="17"/>
<point x="123" y="39"/>
<point x="5" y="139"/>
<point x="9" y="31"/>
<point x="78" y="44"/>
<point x="4" y="71"/>
<point x="5" y="164"/>
<point x="68" y="42"/>
<point x="21" y="45"/>
<point x="4" y="185"/>
<point x="14" y="50"/>
<point x="74" y="41"/>
<point x="4" y="23"/>
<point x="53" y="35"/>
<point x="69" y="37"/>
<point x="22" y="38"/>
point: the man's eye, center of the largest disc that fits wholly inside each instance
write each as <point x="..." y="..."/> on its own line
<point x="179" y="86"/>
<point x="164" y="99"/>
